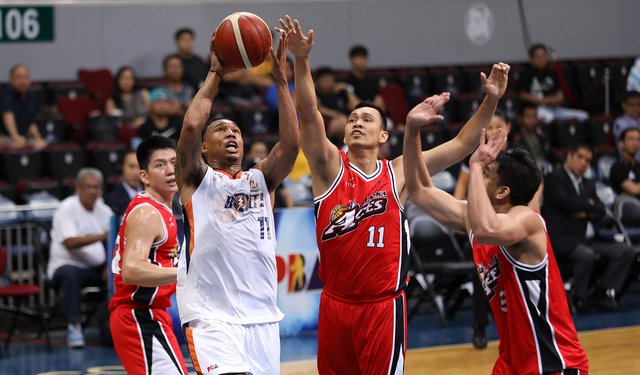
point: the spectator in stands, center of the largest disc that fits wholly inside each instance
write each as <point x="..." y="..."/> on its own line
<point x="531" y="138"/>
<point x="195" y="70"/>
<point x="633" y="79"/>
<point x="118" y="199"/>
<point x="181" y="93"/>
<point x="161" y="120"/>
<point x="258" y="150"/>
<point x="129" y="102"/>
<point x="79" y="230"/>
<point x="335" y="101"/>
<point x="365" y="88"/>
<point x="19" y="107"/>
<point x="630" y="118"/>
<point x="498" y="121"/>
<point x="572" y="211"/>
<point x="625" y="174"/>
<point x="271" y="95"/>
<point x="539" y="84"/>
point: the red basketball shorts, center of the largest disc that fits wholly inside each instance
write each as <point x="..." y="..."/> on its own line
<point x="361" y="337"/>
<point x="145" y="342"/>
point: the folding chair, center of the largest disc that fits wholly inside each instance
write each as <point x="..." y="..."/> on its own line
<point x="20" y="292"/>
<point x="438" y="265"/>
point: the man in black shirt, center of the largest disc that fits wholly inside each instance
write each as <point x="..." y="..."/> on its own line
<point x="194" y="68"/>
<point x="159" y="121"/>
<point x="365" y="88"/>
<point x="539" y="84"/>
<point x="625" y="174"/>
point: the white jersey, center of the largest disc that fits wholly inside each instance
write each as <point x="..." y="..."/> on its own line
<point x="227" y="268"/>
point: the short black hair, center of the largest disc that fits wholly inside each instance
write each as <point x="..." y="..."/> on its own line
<point x="166" y="59"/>
<point x="213" y="119"/>
<point x="624" y="133"/>
<point x="183" y="30"/>
<point x="630" y="95"/>
<point x="518" y="171"/>
<point x="536" y="46"/>
<point x="576" y="146"/>
<point x="358" y="51"/>
<point x="525" y="106"/>
<point x="369" y="104"/>
<point x="149" y="145"/>
<point x="323" y="71"/>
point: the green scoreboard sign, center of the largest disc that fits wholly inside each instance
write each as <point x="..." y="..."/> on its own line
<point x="20" y="24"/>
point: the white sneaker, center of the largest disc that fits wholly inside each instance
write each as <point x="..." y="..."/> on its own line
<point x="75" y="338"/>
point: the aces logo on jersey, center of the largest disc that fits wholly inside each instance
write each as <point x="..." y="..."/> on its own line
<point x="345" y="219"/>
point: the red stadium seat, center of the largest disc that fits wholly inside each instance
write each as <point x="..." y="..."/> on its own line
<point x="76" y="113"/>
<point x="395" y="101"/>
<point x="99" y="84"/>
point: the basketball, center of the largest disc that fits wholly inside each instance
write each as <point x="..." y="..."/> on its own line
<point x="243" y="40"/>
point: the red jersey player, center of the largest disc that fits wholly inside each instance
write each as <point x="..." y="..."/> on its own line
<point x="361" y="231"/>
<point x="512" y="253"/>
<point x="144" y="268"/>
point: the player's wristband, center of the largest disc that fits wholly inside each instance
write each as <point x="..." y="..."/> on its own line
<point x="216" y="72"/>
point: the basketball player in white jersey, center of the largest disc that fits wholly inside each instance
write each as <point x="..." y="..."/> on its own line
<point x="227" y="278"/>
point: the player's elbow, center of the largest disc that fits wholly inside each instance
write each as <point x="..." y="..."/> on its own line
<point x="128" y="275"/>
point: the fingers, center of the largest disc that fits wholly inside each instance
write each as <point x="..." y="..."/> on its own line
<point x="310" y="37"/>
<point x="482" y="140"/>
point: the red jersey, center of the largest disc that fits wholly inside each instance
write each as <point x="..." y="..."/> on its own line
<point x="362" y="234"/>
<point x="530" y="309"/>
<point x="164" y="253"/>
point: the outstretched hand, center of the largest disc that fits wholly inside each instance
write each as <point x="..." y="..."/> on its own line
<point x="426" y="112"/>
<point x="496" y="84"/>
<point x="488" y="151"/>
<point x="300" y="45"/>
<point x="280" y="58"/>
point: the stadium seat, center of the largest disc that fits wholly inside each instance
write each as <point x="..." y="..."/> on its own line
<point x="473" y="83"/>
<point x="467" y="105"/>
<point x="432" y="136"/>
<point x="76" y="113"/>
<point x="590" y="79"/>
<point x="416" y="85"/>
<point x="395" y="102"/>
<point x="53" y="129"/>
<point x="618" y="70"/>
<point x="64" y="160"/>
<point x="107" y="157"/>
<point x="568" y="82"/>
<point x="600" y="133"/>
<point x="446" y="79"/>
<point x="99" y="84"/>
<point x="254" y="119"/>
<point x="603" y="166"/>
<point x="103" y="128"/>
<point x="23" y="164"/>
<point x="510" y="105"/>
<point x="569" y="132"/>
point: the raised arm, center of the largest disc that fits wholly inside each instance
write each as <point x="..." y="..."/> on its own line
<point x="144" y="227"/>
<point x="453" y="151"/>
<point x="279" y="163"/>
<point x="505" y="229"/>
<point x="435" y="202"/>
<point x="322" y="155"/>
<point x="190" y="167"/>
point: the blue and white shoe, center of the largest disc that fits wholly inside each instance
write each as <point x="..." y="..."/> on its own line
<point x="75" y="338"/>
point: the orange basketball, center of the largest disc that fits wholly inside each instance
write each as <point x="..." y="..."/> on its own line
<point x="243" y="40"/>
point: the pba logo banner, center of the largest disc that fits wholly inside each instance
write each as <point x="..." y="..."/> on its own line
<point x="299" y="286"/>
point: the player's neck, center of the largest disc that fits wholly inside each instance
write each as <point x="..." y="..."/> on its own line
<point x="231" y="169"/>
<point x="365" y="159"/>
<point x="166" y="200"/>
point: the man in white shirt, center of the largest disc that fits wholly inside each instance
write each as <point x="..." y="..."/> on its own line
<point x="79" y="230"/>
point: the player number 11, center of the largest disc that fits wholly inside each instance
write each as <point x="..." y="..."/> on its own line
<point x="372" y="234"/>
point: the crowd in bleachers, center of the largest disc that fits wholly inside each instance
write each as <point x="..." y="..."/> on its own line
<point x="553" y="109"/>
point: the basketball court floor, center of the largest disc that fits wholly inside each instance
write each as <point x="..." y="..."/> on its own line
<point x="611" y="340"/>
